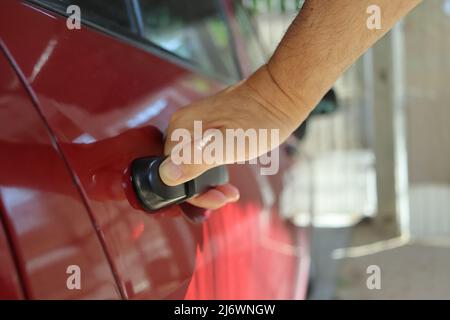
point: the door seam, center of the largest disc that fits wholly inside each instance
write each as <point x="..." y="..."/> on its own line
<point x="74" y="178"/>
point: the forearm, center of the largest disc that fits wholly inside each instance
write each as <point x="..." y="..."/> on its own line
<point x="324" y="40"/>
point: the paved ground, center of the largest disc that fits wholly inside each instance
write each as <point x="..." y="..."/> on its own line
<point x="413" y="271"/>
<point x="324" y="268"/>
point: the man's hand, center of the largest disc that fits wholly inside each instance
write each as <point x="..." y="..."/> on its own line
<point x="250" y="104"/>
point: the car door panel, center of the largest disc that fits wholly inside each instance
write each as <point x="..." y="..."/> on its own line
<point x="48" y="225"/>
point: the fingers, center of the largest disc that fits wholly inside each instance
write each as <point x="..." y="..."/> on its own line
<point x="199" y="209"/>
<point x="181" y="165"/>
<point x="216" y="197"/>
<point x="174" y="174"/>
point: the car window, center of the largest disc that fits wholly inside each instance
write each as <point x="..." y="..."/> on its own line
<point x="196" y="32"/>
<point x="250" y="36"/>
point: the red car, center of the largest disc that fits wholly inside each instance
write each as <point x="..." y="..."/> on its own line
<point x="77" y="106"/>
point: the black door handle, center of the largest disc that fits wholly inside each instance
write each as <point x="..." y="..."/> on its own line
<point x="154" y="194"/>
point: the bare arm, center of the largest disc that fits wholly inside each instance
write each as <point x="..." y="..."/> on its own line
<point x="322" y="42"/>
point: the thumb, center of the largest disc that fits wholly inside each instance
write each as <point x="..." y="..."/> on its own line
<point x="174" y="170"/>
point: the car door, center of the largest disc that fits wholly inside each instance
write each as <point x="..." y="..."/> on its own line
<point x="47" y="230"/>
<point x="107" y="92"/>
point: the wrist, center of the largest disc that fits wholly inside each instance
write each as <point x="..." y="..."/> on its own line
<point x="275" y="96"/>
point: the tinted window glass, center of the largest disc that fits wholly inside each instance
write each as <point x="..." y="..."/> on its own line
<point x="192" y="30"/>
<point x="250" y="38"/>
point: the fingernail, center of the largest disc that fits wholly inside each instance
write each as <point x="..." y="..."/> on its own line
<point x="236" y="194"/>
<point x="170" y="171"/>
<point x="236" y="197"/>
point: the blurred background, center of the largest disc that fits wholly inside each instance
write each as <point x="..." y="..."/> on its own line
<point x="373" y="160"/>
